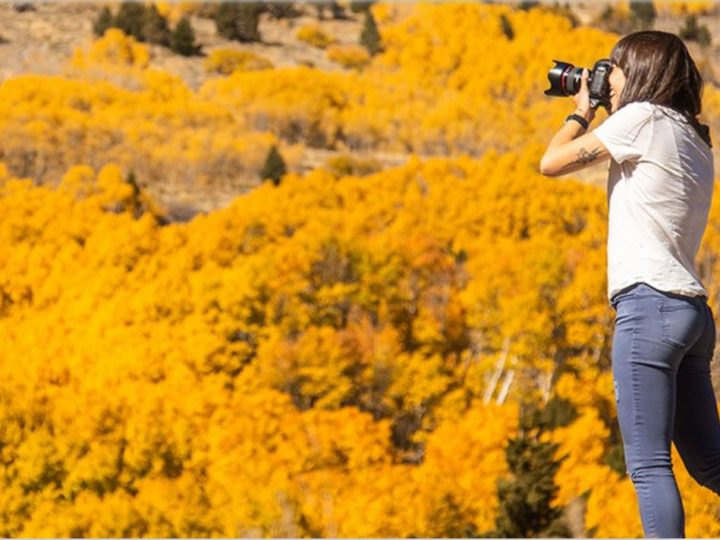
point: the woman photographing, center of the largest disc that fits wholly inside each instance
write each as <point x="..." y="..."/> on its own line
<point x="660" y="185"/>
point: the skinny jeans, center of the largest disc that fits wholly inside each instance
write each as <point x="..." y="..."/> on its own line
<point x="662" y="349"/>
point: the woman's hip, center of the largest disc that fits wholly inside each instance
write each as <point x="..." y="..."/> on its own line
<point x="659" y="327"/>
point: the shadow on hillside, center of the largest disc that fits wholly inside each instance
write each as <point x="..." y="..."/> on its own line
<point x="181" y="212"/>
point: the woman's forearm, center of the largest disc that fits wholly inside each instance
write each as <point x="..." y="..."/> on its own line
<point x="568" y="131"/>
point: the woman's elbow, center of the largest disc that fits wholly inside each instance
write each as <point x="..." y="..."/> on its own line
<point x="546" y="167"/>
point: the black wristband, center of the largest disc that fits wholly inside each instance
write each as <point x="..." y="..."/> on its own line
<point x="584" y="123"/>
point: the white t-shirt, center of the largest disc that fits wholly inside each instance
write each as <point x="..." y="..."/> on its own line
<point x="660" y="184"/>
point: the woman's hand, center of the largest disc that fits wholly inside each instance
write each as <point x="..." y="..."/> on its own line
<point x="582" y="98"/>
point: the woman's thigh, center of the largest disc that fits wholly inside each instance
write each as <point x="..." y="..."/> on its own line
<point x="652" y="334"/>
<point x="697" y="426"/>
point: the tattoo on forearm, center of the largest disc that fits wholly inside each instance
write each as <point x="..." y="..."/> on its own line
<point x="586" y="157"/>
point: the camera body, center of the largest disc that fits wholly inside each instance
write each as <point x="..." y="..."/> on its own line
<point x="565" y="80"/>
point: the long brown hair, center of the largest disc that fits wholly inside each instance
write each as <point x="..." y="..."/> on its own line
<point x="658" y="68"/>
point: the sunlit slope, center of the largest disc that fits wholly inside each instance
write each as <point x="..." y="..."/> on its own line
<point x="321" y="341"/>
<point x="332" y="357"/>
<point x="450" y="82"/>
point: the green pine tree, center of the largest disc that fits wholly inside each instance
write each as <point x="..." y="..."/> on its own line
<point x="282" y="10"/>
<point x="643" y="13"/>
<point x="130" y="19"/>
<point x="103" y="21"/>
<point x="336" y="9"/>
<point x="239" y="20"/>
<point x="692" y="31"/>
<point x="507" y="27"/>
<point x="183" y="39"/>
<point x="274" y="167"/>
<point x="370" y="36"/>
<point x="155" y="27"/>
<point x="525" y="496"/>
<point x="527" y="5"/>
<point x="134" y="203"/>
<point x="360" y="6"/>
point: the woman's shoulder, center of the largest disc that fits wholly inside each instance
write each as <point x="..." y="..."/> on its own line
<point x="636" y="113"/>
<point x="662" y="114"/>
<point x="638" y="108"/>
<point x="669" y="111"/>
<point x="655" y="110"/>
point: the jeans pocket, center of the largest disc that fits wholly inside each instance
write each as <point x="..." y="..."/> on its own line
<point x="679" y="322"/>
<point x="623" y="310"/>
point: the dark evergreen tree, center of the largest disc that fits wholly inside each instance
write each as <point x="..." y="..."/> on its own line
<point x="320" y="9"/>
<point x="692" y="31"/>
<point x="274" y="167"/>
<point x="528" y="5"/>
<point x="130" y="19"/>
<point x="607" y="13"/>
<point x="225" y="15"/>
<point x="23" y="7"/>
<point x="616" y="21"/>
<point x="525" y="496"/>
<point x="506" y="27"/>
<point x="239" y="20"/>
<point x="155" y="27"/>
<point x="558" y="412"/>
<point x="370" y="36"/>
<point x="207" y="10"/>
<point x="360" y="6"/>
<point x="336" y="9"/>
<point x="282" y="10"/>
<point x="103" y="21"/>
<point x="134" y="204"/>
<point x="338" y="12"/>
<point x="643" y="13"/>
<point x="183" y="39"/>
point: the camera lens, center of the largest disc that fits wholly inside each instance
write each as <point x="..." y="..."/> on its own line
<point x="564" y="79"/>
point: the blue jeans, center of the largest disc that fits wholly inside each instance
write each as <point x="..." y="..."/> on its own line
<point x="661" y="353"/>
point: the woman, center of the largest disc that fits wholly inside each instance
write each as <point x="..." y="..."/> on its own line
<point x="659" y="190"/>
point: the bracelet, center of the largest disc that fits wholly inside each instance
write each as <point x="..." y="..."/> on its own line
<point x="584" y="123"/>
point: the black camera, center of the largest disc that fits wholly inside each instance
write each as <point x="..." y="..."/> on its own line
<point x="565" y="80"/>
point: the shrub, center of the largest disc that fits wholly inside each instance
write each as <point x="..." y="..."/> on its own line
<point x="349" y="56"/>
<point x="313" y="35"/>
<point x="346" y="165"/>
<point x="114" y="48"/>
<point x="226" y="61"/>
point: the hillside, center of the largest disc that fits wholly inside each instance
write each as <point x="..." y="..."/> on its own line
<point x="302" y="360"/>
<point x="42" y="39"/>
